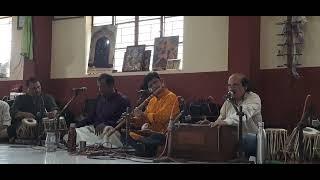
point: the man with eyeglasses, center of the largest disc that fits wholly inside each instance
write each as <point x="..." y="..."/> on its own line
<point x="243" y="96"/>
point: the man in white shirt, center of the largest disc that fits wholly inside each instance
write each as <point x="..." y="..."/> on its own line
<point x="251" y="107"/>
<point x="5" y="119"/>
<point x="250" y="102"/>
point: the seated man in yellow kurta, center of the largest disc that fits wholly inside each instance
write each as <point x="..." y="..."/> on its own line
<point x="162" y="107"/>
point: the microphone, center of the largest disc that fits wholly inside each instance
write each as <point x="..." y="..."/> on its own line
<point x="182" y="106"/>
<point x="183" y="110"/>
<point x="181" y="103"/>
<point x="143" y="91"/>
<point x="79" y="89"/>
<point x="230" y="95"/>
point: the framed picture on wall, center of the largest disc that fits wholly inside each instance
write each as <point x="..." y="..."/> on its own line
<point x="102" y="47"/>
<point x="133" y="60"/>
<point x="20" y="22"/>
<point x="164" y="48"/>
<point x="56" y="18"/>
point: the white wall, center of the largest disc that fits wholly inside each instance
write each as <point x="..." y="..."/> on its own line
<point x="205" y="46"/>
<point x="16" y="61"/>
<point x="68" y="48"/>
<point x="269" y="41"/>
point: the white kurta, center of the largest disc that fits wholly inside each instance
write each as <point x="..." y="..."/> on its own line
<point x="251" y="107"/>
<point x="86" y="133"/>
<point x="5" y="119"/>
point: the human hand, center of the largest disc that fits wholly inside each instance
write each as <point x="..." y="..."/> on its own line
<point x="137" y="112"/>
<point x="51" y="114"/>
<point x="25" y="115"/>
<point x="204" y="122"/>
<point x="99" y="129"/>
<point x="218" y="123"/>
<point x="145" y="126"/>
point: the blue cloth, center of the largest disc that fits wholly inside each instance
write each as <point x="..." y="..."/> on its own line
<point x="147" y="146"/>
<point x="108" y="110"/>
<point x="250" y="144"/>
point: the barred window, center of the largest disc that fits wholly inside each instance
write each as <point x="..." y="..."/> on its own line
<point x="5" y="45"/>
<point x="141" y="30"/>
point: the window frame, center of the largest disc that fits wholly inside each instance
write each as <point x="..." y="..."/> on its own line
<point x="136" y="29"/>
<point x="10" y="57"/>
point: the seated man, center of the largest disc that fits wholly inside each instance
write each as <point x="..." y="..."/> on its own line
<point x="34" y="104"/>
<point x="251" y="104"/>
<point x="109" y="108"/>
<point x="5" y="119"/>
<point x="163" y="106"/>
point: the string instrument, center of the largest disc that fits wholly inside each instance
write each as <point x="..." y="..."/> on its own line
<point x="127" y="115"/>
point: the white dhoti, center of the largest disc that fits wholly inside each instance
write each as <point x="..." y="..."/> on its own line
<point x="87" y="133"/>
<point x="3" y="133"/>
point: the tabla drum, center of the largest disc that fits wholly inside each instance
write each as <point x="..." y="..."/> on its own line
<point x="62" y="126"/>
<point x="276" y="139"/>
<point x="27" y="129"/>
<point x="310" y="148"/>
<point x="310" y="144"/>
<point x="49" y="125"/>
<point x="52" y="125"/>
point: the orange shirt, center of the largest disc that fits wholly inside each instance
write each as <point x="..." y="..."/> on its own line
<point x="159" y="110"/>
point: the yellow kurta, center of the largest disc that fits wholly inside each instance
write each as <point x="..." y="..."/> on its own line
<point x="159" y="110"/>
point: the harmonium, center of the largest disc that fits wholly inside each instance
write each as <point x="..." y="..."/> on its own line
<point x="204" y="143"/>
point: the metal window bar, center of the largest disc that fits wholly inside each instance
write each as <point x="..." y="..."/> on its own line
<point x="162" y="20"/>
<point x="287" y="33"/>
<point x="5" y="45"/>
<point x="298" y="54"/>
<point x="136" y="30"/>
<point x="4" y="17"/>
<point x="286" y="44"/>
<point x="285" y="22"/>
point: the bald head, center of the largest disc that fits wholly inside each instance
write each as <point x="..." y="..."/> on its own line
<point x="237" y="76"/>
<point x="237" y="85"/>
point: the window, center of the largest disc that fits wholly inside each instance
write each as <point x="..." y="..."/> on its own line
<point x="173" y="26"/>
<point x="141" y="30"/>
<point x="5" y="45"/>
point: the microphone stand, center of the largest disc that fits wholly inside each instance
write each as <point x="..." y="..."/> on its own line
<point x="39" y="116"/>
<point x="240" y="153"/>
<point x="76" y="93"/>
<point x="127" y="129"/>
<point x="168" y="144"/>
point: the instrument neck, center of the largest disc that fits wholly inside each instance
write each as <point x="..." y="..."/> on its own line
<point x="159" y="92"/>
<point x="153" y="94"/>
